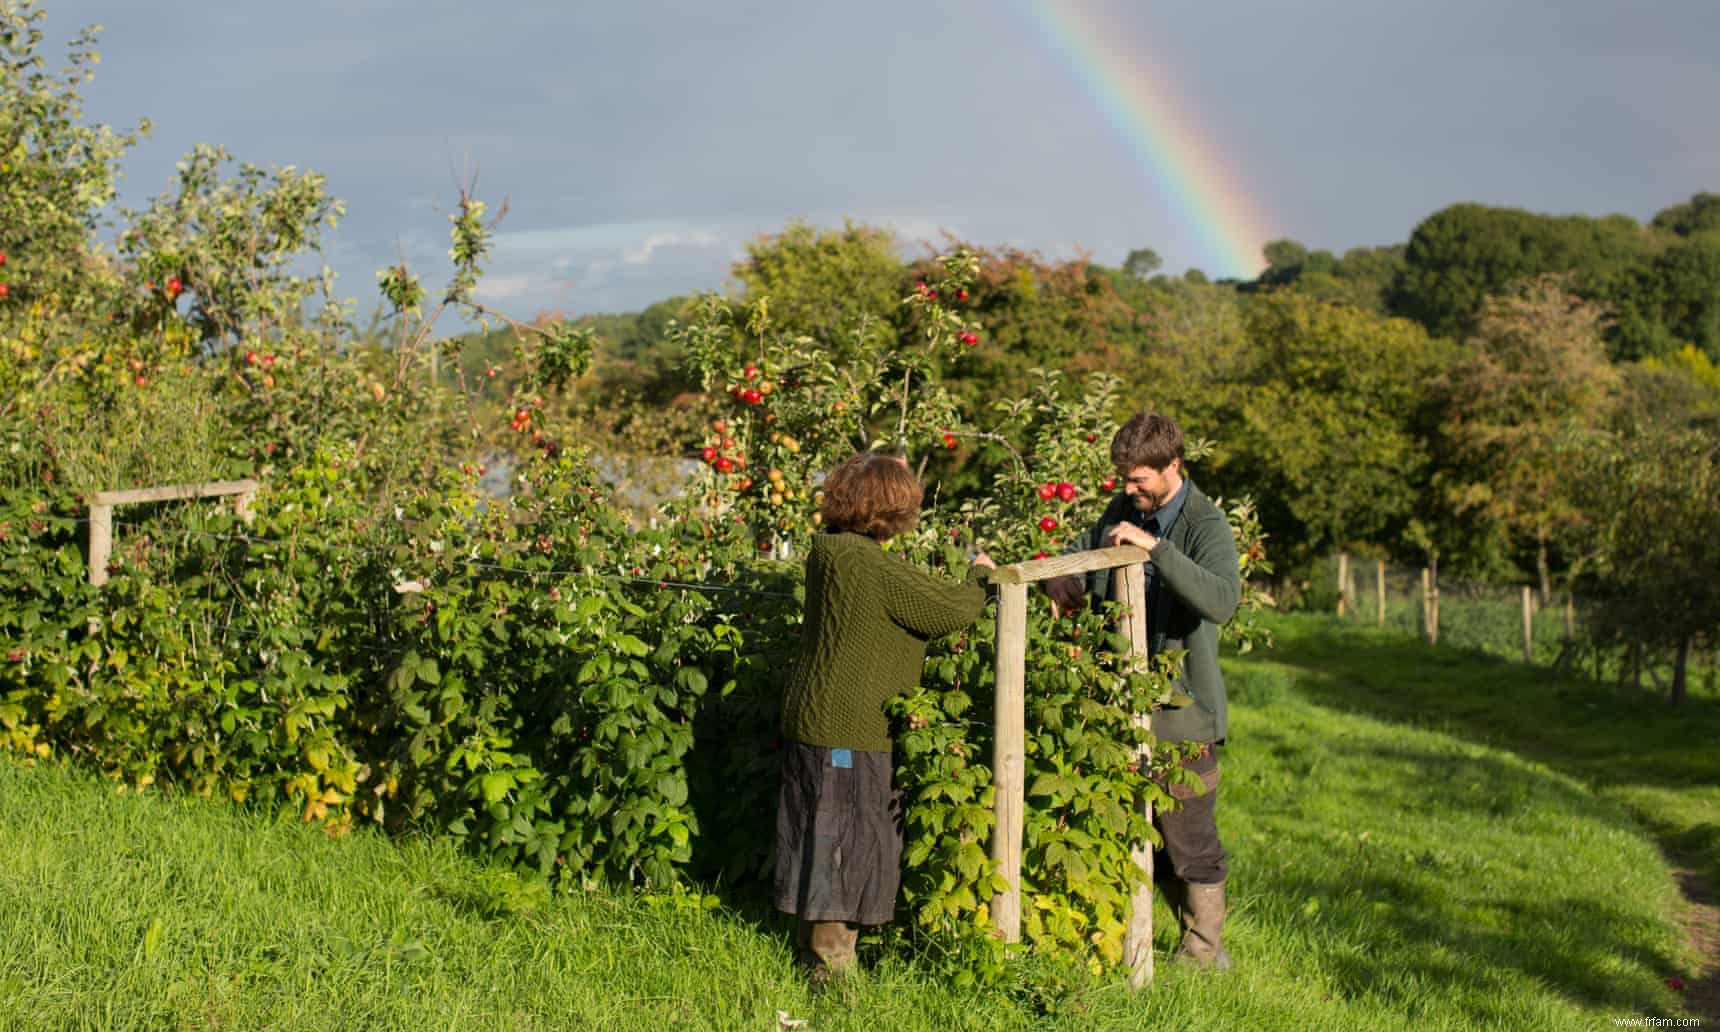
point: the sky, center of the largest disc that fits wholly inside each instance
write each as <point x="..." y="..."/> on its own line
<point x="640" y="145"/>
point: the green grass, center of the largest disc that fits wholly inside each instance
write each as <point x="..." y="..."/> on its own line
<point x="1417" y="842"/>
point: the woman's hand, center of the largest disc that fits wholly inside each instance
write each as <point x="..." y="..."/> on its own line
<point x="981" y="559"/>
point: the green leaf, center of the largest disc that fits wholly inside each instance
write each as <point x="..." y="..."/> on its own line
<point x="629" y="645"/>
<point x="496" y="785"/>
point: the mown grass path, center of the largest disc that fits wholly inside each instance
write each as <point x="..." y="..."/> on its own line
<point x="1420" y="840"/>
<point x="1660" y="763"/>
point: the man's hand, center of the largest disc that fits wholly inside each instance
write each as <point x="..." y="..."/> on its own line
<point x="981" y="559"/>
<point x="1070" y="593"/>
<point x="1129" y="534"/>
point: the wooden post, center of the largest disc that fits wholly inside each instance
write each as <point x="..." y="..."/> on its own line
<point x="1380" y="585"/>
<point x="101" y="542"/>
<point x="1343" y="580"/>
<point x="1131" y="583"/>
<point x="1570" y="617"/>
<point x="1009" y="750"/>
<point x="1427" y="604"/>
<point x="1433" y="580"/>
<point x="1009" y="755"/>
<point x="242" y="504"/>
<point x="1528" y="624"/>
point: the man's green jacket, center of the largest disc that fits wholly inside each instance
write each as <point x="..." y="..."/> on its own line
<point x="1195" y="588"/>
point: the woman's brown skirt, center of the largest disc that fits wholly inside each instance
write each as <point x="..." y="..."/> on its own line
<point x="838" y="835"/>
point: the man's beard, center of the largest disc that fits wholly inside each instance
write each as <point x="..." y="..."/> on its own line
<point x="1147" y="503"/>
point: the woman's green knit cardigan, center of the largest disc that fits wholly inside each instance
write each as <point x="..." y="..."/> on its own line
<point x="869" y="614"/>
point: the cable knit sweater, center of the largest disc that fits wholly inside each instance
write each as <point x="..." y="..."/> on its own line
<point x="868" y="617"/>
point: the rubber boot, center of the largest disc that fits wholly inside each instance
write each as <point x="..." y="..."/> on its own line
<point x="1202" y="918"/>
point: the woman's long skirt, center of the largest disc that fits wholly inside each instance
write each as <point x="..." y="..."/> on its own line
<point x="838" y="835"/>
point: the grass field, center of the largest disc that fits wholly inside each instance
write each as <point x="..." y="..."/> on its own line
<point x="1419" y="840"/>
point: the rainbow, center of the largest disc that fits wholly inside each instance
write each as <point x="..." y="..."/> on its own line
<point x="1160" y="130"/>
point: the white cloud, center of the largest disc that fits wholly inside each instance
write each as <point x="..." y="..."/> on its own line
<point x="508" y="288"/>
<point x="648" y="248"/>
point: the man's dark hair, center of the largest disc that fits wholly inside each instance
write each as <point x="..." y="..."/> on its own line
<point x="1147" y="439"/>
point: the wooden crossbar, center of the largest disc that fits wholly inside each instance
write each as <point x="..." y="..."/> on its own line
<point x="102" y="504"/>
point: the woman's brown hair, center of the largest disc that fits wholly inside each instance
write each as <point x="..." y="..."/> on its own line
<point x="872" y="494"/>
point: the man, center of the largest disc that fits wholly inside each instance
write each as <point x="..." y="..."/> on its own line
<point x="1192" y="587"/>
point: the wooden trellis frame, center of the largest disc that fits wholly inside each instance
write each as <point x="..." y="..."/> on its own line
<point x="102" y="504"/>
<point x="1009" y="751"/>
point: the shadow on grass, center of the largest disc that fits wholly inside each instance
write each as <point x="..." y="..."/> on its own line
<point x="1590" y="730"/>
<point x="1653" y="765"/>
<point x="1431" y="880"/>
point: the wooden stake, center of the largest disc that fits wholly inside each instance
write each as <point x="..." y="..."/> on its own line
<point x="1528" y="624"/>
<point x="1343" y="580"/>
<point x="1009" y="756"/>
<point x="1131" y="585"/>
<point x="1380" y="584"/>
<point x="1427" y="604"/>
<point x="101" y="542"/>
<point x="1433" y="579"/>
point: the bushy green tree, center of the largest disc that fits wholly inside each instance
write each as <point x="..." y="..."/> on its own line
<point x="1653" y="496"/>
<point x="1532" y="382"/>
<point x="1673" y="300"/>
<point x="1460" y="256"/>
<point x="57" y="175"/>
<point x="1321" y="421"/>
<point x="1700" y="214"/>
<point x="838" y="285"/>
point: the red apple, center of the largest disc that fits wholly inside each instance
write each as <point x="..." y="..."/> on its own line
<point x="1108" y="484"/>
<point x="949" y="441"/>
<point x="1047" y="491"/>
<point x="750" y="371"/>
<point x="250" y="358"/>
<point x="4" y="290"/>
<point x="1066" y="491"/>
<point x="751" y="396"/>
<point x="1048" y="524"/>
<point x="725" y="464"/>
<point x="708" y="453"/>
<point x="1042" y="555"/>
<point x="175" y="285"/>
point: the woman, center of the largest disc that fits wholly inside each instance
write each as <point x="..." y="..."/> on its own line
<point x="868" y="617"/>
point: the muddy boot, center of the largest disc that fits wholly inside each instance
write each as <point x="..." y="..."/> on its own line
<point x="831" y="945"/>
<point x="1202" y="918"/>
